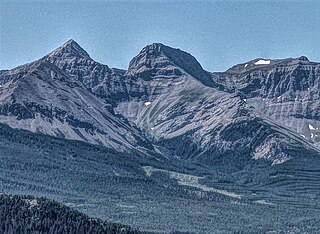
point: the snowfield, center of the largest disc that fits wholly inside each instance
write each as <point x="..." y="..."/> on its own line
<point x="262" y="62"/>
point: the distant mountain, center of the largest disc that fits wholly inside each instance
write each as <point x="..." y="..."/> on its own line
<point x="200" y="122"/>
<point x="158" y="59"/>
<point x="41" y="97"/>
<point x="96" y="77"/>
<point x="167" y="100"/>
<point x="286" y="90"/>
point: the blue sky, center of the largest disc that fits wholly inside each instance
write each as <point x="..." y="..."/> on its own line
<point x="218" y="33"/>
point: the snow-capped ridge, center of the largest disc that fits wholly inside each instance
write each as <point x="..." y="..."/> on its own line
<point x="262" y="62"/>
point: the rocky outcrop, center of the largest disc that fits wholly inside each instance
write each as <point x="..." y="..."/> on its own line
<point x="287" y="90"/>
<point x="48" y="100"/>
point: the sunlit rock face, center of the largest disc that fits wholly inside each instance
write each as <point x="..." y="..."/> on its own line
<point x="52" y="96"/>
<point x="196" y="121"/>
<point x="288" y="91"/>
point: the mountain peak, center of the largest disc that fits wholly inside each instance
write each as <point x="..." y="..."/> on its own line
<point x="158" y="58"/>
<point x="70" y="49"/>
<point x="154" y="47"/>
<point x="303" y="58"/>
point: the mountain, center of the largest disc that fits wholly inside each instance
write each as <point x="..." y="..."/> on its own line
<point x="40" y="97"/>
<point x="158" y="142"/>
<point x="165" y="102"/>
<point x="98" y="78"/>
<point x="285" y="90"/>
<point x="158" y="59"/>
<point x="196" y="121"/>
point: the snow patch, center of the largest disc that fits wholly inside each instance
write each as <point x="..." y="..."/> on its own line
<point x="311" y="127"/>
<point x="152" y="129"/>
<point x="147" y="103"/>
<point x="262" y="62"/>
<point x="246" y="65"/>
<point x="303" y="135"/>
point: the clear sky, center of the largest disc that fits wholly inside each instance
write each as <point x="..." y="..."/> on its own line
<point x="218" y="33"/>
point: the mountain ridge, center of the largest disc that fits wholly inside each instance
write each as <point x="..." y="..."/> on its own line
<point x="153" y="74"/>
<point x="73" y="44"/>
<point x="153" y="145"/>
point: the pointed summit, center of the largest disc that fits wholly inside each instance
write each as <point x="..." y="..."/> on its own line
<point x="69" y="49"/>
<point x="158" y="59"/>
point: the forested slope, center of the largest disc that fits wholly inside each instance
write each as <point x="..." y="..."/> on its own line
<point x="26" y="214"/>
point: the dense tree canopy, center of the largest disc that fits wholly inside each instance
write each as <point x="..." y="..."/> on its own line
<point x="28" y="215"/>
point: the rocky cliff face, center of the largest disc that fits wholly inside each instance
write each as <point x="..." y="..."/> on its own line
<point x="288" y="91"/>
<point x="158" y="59"/>
<point x="41" y="97"/>
<point x="168" y="101"/>
<point x="101" y="80"/>
<point x="198" y="122"/>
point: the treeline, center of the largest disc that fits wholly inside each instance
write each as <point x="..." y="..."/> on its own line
<point x="27" y="215"/>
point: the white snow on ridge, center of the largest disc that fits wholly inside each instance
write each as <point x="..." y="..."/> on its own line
<point x="262" y="62"/>
<point x="311" y="127"/>
<point x="147" y="103"/>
